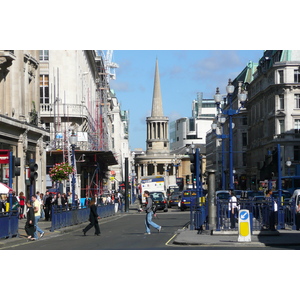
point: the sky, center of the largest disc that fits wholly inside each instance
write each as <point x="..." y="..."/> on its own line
<point x="183" y="73"/>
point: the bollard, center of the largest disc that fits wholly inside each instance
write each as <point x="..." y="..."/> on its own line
<point x="244" y="226"/>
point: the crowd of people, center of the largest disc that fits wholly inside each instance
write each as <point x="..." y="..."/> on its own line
<point x="60" y="200"/>
<point x="39" y="206"/>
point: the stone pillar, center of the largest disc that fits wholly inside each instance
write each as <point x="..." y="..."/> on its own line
<point x="212" y="212"/>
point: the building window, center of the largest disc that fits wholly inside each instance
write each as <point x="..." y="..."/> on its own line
<point x="244" y="157"/>
<point x="297" y="126"/>
<point x="44" y="54"/>
<point x="296" y="153"/>
<point x="280" y="76"/>
<point x="192" y="124"/>
<point x="244" y="139"/>
<point x="297" y="76"/>
<point x="281" y="126"/>
<point x="281" y="102"/>
<point x="44" y="89"/>
<point x="297" y="100"/>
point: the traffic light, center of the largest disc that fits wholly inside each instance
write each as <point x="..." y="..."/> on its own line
<point x="187" y="179"/>
<point x="193" y="163"/>
<point x="33" y="167"/>
<point x="16" y="162"/>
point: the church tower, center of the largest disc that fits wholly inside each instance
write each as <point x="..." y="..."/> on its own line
<point x="157" y="124"/>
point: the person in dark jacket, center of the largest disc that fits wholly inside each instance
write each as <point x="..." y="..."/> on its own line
<point x="93" y="218"/>
<point x="48" y="206"/>
<point x="29" y="226"/>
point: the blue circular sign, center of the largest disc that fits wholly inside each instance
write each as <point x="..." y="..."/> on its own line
<point x="244" y="215"/>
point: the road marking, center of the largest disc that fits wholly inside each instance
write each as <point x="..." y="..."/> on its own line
<point x="167" y="243"/>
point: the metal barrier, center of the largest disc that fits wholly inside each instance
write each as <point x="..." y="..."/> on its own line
<point x="62" y="217"/>
<point x="200" y="217"/>
<point x="261" y="213"/>
<point x="9" y="224"/>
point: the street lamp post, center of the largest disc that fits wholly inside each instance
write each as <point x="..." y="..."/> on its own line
<point x="73" y="142"/>
<point x="222" y="136"/>
<point x="230" y="112"/>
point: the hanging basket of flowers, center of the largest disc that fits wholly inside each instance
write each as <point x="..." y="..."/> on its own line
<point x="61" y="171"/>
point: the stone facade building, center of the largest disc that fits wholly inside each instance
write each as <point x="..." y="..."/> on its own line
<point x="21" y="131"/>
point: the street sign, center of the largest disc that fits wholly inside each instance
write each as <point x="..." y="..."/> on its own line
<point x="244" y="226"/>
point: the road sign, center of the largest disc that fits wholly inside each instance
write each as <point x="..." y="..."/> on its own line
<point x="244" y="226"/>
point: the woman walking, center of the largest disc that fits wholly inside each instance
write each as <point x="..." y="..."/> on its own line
<point x="93" y="218"/>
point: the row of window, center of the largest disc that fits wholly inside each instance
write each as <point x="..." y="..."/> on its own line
<point x="281" y="101"/>
<point x="296" y="76"/>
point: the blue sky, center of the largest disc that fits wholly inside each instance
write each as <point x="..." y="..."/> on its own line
<point x="183" y="73"/>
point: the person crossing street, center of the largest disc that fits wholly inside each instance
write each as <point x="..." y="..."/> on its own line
<point x="149" y="214"/>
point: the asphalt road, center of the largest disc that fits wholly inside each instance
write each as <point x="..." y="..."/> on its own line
<point x="124" y="232"/>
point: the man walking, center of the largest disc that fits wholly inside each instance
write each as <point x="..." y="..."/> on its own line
<point x="149" y="215"/>
<point x="37" y="216"/>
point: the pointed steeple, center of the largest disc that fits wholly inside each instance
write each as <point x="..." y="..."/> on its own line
<point x="157" y="108"/>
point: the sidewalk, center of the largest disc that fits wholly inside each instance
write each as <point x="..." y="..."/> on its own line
<point x="283" y="237"/>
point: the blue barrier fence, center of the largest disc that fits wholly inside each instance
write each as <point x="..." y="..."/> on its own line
<point x="200" y="217"/>
<point x="62" y="217"/>
<point x="9" y="224"/>
<point x="261" y="213"/>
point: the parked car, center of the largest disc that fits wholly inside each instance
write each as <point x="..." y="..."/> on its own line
<point x="174" y="199"/>
<point x="159" y="200"/>
<point x="285" y="194"/>
<point x="222" y="195"/>
<point x="249" y="195"/>
<point x="187" y="197"/>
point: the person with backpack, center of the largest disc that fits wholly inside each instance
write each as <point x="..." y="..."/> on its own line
<point x="149" y="214"/>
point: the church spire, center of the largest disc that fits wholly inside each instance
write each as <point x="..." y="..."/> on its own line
<point x="157" y="109"/>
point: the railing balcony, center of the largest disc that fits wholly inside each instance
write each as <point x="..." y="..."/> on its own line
<point x="64" y="110"/>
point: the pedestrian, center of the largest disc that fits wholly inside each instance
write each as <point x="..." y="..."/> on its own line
<point x="149" y="214"/>
<point x="22" y="205"/>
<point x="93" y="218"/>
<point x="48" y="206"/>
<point x="117" y="202"/>
<point x="70" y="198"/>
<point x="37" y="215"/>
<point x="42" y="206"/>
<point x="273" y="210"/>
<point x="29" y="226"/>
<point x="298" y="216"/>
<point x="233" y="208"/>
<point x="59" y="201"/>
